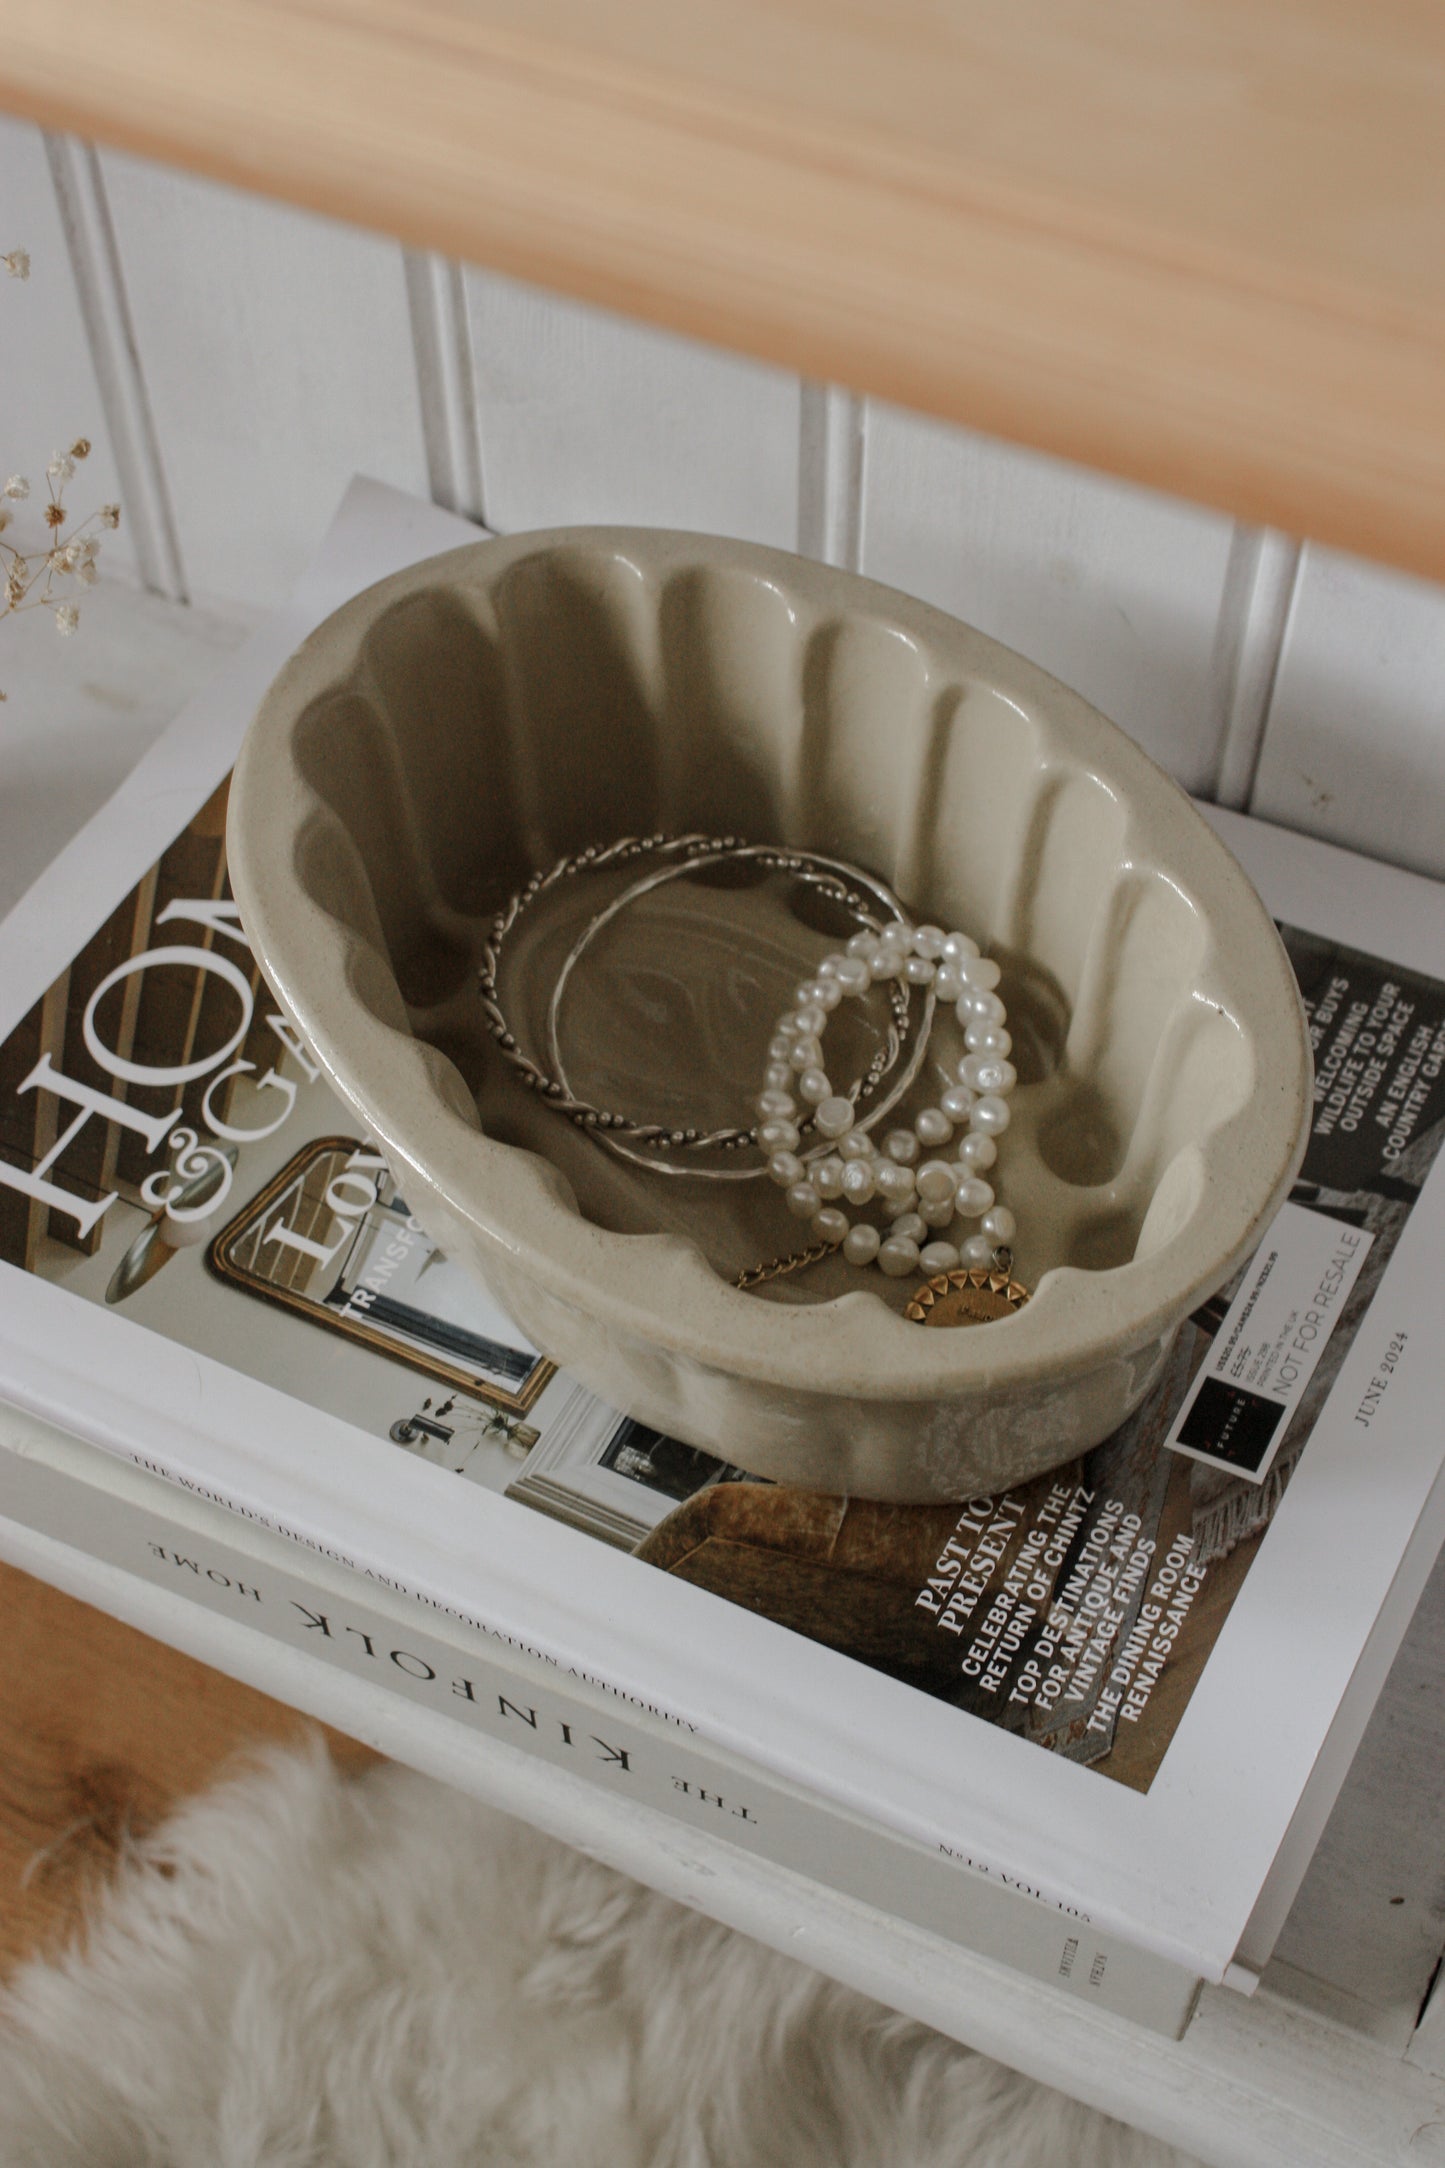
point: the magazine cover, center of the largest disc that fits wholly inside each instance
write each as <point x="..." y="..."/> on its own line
<point x="207" y="1269"/>
<point x="168" y="1147"/>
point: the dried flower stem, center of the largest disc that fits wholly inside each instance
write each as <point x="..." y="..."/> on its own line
<point x="49" y="577"/>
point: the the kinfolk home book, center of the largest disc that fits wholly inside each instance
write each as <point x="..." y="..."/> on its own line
<point x="1091" y="1726"/>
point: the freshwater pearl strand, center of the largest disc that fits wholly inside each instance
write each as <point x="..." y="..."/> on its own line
<point x="924" y="1197"/>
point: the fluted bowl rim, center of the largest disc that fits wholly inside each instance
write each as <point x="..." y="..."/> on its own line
<point x="657" y="1289"/>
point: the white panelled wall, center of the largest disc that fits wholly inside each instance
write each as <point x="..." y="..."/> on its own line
<point x="235" y="362"/>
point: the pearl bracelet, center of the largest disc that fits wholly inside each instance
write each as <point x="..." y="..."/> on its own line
<point x="922" y="1195"/>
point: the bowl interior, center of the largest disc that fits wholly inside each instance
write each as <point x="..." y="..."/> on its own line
<point x="520" y="704"/>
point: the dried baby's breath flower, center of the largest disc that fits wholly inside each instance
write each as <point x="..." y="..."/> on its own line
<point x="36" y="578"/>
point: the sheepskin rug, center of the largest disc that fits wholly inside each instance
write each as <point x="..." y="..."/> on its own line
<point x="304" y="1970"/>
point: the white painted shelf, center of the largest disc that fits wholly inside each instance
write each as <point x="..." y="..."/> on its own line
<point x="79" y="712"/>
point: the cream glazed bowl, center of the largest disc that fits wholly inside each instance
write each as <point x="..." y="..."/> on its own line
<point x="467" y="722"/>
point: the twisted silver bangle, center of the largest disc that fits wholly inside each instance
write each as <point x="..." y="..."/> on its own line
<point x="620" y="1132"/>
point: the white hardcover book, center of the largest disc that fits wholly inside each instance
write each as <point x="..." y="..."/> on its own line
<point x="1130" y="1687"/>
<point x="111" y="1511"/>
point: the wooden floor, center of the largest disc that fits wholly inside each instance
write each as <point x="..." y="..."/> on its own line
<point x="101" y="1730"/>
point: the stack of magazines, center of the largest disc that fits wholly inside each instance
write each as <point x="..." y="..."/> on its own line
<point x="1089" y="1728"/>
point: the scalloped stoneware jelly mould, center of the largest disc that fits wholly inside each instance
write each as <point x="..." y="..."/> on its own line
<point x="469" y="721"/>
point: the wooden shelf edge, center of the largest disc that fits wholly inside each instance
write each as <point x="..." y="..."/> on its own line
<point x="1298" y="404"/>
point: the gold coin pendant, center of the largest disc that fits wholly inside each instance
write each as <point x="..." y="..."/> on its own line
<point x="975" y="1297"/>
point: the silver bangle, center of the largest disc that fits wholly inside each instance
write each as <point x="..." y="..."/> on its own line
<point x="687" y="853"/>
